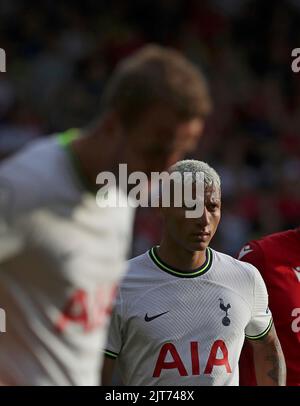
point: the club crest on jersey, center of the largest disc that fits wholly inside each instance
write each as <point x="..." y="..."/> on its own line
<point x="296" y="269"/>
<point x="226" y="319"/>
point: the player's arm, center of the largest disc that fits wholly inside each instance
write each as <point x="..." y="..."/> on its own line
<point x="269" y="364"/>
<point x="108" y="370"/>
<point x="270" y="368"/>
<point x="253" y="254"/>
<point x="114" y="342"/>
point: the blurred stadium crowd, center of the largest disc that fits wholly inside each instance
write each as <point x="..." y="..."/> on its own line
<point x="59" y="55"/>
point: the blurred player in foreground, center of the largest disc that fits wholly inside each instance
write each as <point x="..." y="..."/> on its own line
<point x="183" y="309"/>
<point x="61" y="255"/>
<point x="277" y="257"/>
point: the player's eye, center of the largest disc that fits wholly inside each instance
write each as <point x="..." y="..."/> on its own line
<point x="213" y="207"/>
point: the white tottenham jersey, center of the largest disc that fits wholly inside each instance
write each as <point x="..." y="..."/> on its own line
<point x="60" y="259"/>
<point x="175" y="328"/>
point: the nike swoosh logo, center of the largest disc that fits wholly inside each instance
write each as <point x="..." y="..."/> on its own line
<point x="147" y="318"/>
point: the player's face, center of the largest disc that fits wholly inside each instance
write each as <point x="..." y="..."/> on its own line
<point x="159" y="140"/>
<point x="194" y="234"/>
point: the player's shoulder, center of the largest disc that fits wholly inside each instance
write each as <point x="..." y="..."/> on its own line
<point x="138" y="278"/>
<point x="234" y="265"/>
<point x="27" y="164"/>
<point x="142" y="273"/>
<point x="279" y="237"/>
<point x="33" y="149"/>
<point x="138" y="266"/>
<point x="271" y="244"/>
<point x="19" y="183"/>
<point x="139" y="259"/>
<point x="36" y="175"/>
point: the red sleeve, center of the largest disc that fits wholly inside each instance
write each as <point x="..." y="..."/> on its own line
<point x="253" y="254"/>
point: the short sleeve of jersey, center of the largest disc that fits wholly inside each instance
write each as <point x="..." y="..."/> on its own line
<point x="114" y="339"/>
<point x="261" y="318"/>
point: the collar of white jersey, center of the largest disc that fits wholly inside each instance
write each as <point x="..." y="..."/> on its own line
<point x="65" y="139"/>
<point x="180" y="273"/>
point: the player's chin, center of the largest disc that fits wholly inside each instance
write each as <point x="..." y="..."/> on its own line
<point x="198" y="245"/>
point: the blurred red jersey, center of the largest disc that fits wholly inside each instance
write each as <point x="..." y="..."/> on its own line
<point x="277" y="257"/>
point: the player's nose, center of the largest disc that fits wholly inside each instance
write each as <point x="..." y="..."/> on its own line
<point x="203" y="221"/>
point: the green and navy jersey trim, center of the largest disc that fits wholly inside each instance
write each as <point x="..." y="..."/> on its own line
<point x="263" y="334"/>
<point x="64" y="140"/>
<point x="111" y="354"/>
<point x="180" y="273"/>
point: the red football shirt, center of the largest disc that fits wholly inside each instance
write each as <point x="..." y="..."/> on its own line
<point x="277" y="257"/>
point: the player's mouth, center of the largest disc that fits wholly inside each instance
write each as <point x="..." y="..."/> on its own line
<point x="203" y="236"/>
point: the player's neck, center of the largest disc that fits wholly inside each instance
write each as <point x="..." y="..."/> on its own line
<point x="95" y="154"/>
<point x="178" y="257"/>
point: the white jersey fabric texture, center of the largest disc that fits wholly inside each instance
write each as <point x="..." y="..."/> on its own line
<point x="61" y="257"/>
<point x="175" y="328"/>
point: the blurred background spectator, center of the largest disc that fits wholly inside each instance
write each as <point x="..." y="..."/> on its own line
<point x="59" y="55"/>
